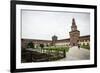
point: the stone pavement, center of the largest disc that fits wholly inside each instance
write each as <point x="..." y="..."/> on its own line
<point x="77" y="54"/>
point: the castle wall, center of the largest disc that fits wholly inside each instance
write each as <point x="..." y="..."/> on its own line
<point x="64" y="42"/>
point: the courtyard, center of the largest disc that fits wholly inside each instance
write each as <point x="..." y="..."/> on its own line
<point x="55" y="54"/>
<point x="76" y="53"/>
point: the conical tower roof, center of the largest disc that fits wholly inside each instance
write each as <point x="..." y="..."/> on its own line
<point x="73" y="22"/>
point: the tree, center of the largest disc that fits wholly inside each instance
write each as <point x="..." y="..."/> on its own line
<point x="42" y="45"/>
<point x="30" y="45"/>
<point x="83" y="44"/>
<point x="47" y="45"/>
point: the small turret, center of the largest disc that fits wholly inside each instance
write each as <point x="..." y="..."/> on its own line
<point x="54" y="39"/>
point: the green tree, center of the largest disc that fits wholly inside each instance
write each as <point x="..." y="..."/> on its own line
<point x="42" y="45"/>
<point x="30" y="45"/>
<point x="83" y="44"/>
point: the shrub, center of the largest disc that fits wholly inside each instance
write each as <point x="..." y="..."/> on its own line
<point x="30" y="45"/>
<point x="42" y="45"/>
<point x="86" y="46"/>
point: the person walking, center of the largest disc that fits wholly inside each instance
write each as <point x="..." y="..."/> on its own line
<point x="79" y="46"/>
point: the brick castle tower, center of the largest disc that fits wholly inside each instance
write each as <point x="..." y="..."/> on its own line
<point x="74" y="34"/>
<point x="54" y="40"/>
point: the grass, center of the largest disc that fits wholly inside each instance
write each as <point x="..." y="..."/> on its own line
<point x="56" y="48"/>
<point x="56" y="52"/>
<point x="86" y="47"/>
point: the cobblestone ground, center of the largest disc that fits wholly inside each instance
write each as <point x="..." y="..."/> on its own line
<point x="77" y="54"/>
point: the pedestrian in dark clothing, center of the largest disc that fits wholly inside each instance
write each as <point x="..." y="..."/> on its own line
<point x="79" y="46"/>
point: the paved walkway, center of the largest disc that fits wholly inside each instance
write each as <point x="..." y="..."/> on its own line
<point x="37" y="50"/>
<point x="77" y="54"/>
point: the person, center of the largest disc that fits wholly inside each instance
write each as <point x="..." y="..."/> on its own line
<point x="79" y="46"/>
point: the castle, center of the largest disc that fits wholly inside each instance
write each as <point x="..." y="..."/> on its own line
<point x="74" y="39"/>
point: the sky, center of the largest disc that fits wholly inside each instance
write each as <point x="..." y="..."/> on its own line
<point x="44" y="24"/>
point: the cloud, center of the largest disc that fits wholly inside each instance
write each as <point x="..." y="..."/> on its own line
<point x="45" y="24"/>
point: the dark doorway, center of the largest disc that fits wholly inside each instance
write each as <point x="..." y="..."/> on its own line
<point x="73" y="44"/>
